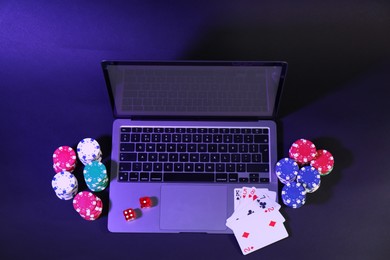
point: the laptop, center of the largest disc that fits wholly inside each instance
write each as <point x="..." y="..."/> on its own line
<point x="186" y="134"/>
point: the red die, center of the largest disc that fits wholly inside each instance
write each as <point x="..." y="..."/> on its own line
<point x="145" y="202"/>
<point x="129" y="214"/>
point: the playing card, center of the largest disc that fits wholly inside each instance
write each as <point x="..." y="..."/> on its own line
<point x="239" y="191"/>
<point x="261" y="204"/>
<point x="258" y="230"/>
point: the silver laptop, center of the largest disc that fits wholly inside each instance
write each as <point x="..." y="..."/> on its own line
<point x="185" y="135"/>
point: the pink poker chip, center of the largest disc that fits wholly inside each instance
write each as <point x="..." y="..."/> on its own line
<point x="64" y="157"/>
<point x="323" y="162"/>
<point x="85" y="202"/>
<point x="302" y="151"/>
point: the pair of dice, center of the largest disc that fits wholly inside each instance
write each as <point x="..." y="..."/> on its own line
<point x="130" y="214"/>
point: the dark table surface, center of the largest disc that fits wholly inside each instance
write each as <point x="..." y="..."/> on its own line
<point x="336" y="94"/>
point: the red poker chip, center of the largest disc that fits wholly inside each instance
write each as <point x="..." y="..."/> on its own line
<point x="84" y="202"/>
<point x="323" y="162"/>
<point x="302" y="151"/>
<point x="64" y="157"/>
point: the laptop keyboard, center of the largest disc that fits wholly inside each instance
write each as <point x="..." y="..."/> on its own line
<point x="172" y="154"/>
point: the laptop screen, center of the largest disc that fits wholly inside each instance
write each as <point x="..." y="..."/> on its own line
<point x="190" y="88"/>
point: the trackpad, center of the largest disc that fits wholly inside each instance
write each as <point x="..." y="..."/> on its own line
<point x="191" y="208"/>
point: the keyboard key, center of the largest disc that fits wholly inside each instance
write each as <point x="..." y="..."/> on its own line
<point x="142" y="157"/>
<point x="194" y="157"/>
<point x="136" y="167"/>
<point x="187" y="138"/>
<point x="147" y="167"/>
<point x="135" y="138"/>
<point x="221" y="177"/>
<point x="257" y="167"/>
<point x="183" y="157"/>
<point x="181" y="147"/>
<point x="207" y="138"/>
<point x="124" y="166"/>
<point x="260" y="139"/>
<point x="188" y="167"/>
<point x="156" y="176"/>
<point x="222" y="148"/>
<point x="191" y="147"/>
<point x="147" y="130"/>
<point x="215" y="157"/>
<point x="233" y="148"/>
<point x="166" y="138"/>
<point x="150" y="147"/>
<point x="264" y="180"/>
<point x="163" y="157"/>
<point x="173" y="157"/>
<point x="123" y="177"/>
<point x="127" y="147"/>
<point x="157" y="167"/>
<point x="140" y="147"/>
<point x="160" y="147"/>
<point x="133" y="176"/>
<point x="171" y="148"/>
<point x="204" y="157"/>
<point x="125" y="137"/>
<point x="238" y="138"/>
<point x="168" y="167"/>
<point x="156" y="138"/>
<point x="125" y="129"/>
<point x="230" y="167"/>
<point x="199" y="167"/>
<point x="212" y="148"/>
<point x="130" y="157"/>
<point x="220" y="167"/>
<point x="243" y="179"/>
<point x="144" y="176"/>
<point x="176" y="138"/>
<point x="254" y="177"/>
<point x="145" y="138"/>
<point x="233" y="177"/>
<point x="188" y="177"/>
<point x="248" y="138"/>
<point x="225" y="157"/>
<point x="241" y="167"/>
<point x="178" y="167"/>
<point x="202" y="148"/>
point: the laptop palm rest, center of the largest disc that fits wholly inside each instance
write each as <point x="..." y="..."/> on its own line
<point x="193" y="207"/>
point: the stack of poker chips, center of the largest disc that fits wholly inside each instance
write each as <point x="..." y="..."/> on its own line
<point x="65" y="185"/>
<point x="95" y="175"/>
<point x="64" y="159"/>
<point x="88" y="205"/>
<point x="301" y="172"/>
<point x="88" y="150"/>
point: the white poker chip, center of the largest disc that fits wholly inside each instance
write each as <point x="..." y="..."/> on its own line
<point x="88" y="150"/>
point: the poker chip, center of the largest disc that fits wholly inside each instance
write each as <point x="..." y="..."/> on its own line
<point x="95" y="175"/>
<point x="323" y="162"/>
<point x="65" y="185"/>
<point x="309" y="177"/>
<point x="293" y="195"/>
<point x="64" y="159"/>
<point x="88" y="150"/>
<point x="286" y="170"/>
<point x="88" y="205"/>
<point x="302" y="151"/>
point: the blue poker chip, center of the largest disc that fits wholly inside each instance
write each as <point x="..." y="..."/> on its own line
<point x="286" y="170"/>
<point x="310" y="178"/>
<point x="294" y="195"/>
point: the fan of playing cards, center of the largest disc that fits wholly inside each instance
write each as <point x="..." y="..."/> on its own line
<point x="256" y="220"/>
